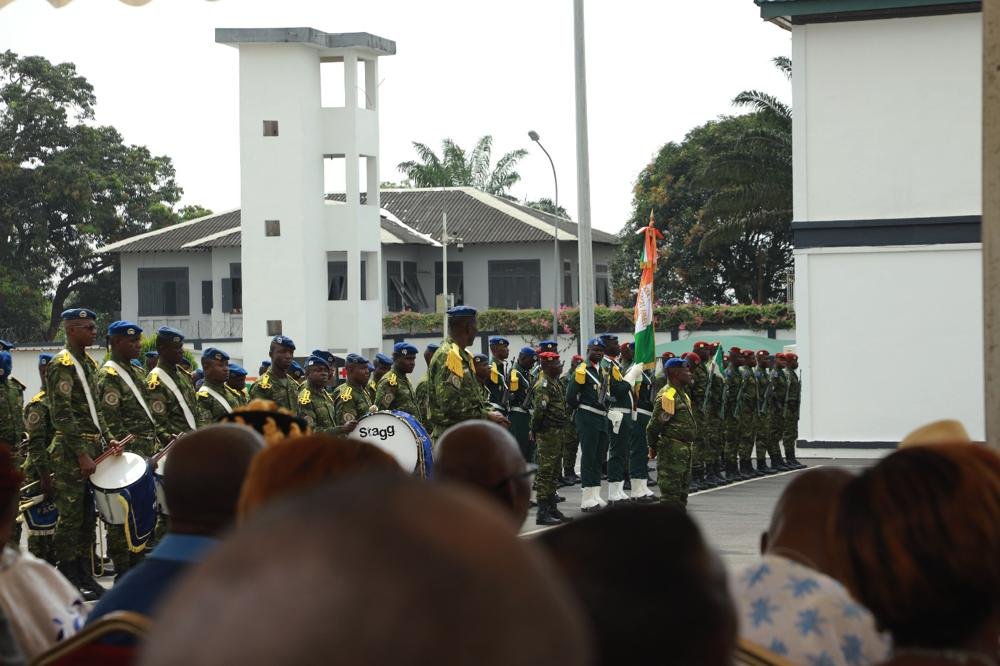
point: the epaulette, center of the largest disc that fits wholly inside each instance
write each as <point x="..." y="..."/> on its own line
<point x="393" y="380"/>
<point x="305" y="397"/>
<point x="38" y="397"/>
<point x="346" y="393"/>
<point x="667" y="400"/>
<point x="232" y="390"/>
<point x="581" y="373"/>
<point x="202" y="393"/>
<point x="111" y="371"/>
<point x="264" y="382"/>
<point x="515" y="381"/>
<point x="153" y="381"/>
<point x="616" y="374"/>
<point x="454" y="361"/>
<point x="17" y="382"/>
<point x="65" y="358"/>
<point x="494" y="373"/>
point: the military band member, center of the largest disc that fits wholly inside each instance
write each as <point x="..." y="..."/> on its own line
<point x="671" y="433"/>
<point x="394" y="391"/>
<point x="38" y="428"/>
<point x="315" y="404"/>
<point x="420" y="391"/>
<point x="453" y="393"/>
<point x="378" y="369"/>
<point x="331" y="362"/>
<point x="587" y="392"/>
<point x="11" y="417"/>
<point x="351" y="398"/>
<point x="550" y="423"/>
<point x="296" y="372"/>
<point x="171" y="392"/>
<point x="215" y="398"/>
<point x="151" y="357"/>
<point x="238" y="382"/>
<point x="641" y="381"/>
<point x="519" y="401"/>
<point x="497" y="391"/>
<point x="275" y="383"/>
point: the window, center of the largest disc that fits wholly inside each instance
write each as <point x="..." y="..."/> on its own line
<point x="567" y="290"/>
<point x="272" y="227"/>
<point x="270" y="128"/>
<point x="405" y="292"/>
<point x="206" y="297"/>
<point x="163" y="292"/>
<point x="273" y="327"/>
<point x="456" y="282"/>
<point x="515" y="284"/>
<point x="336" y="274"/>
<point x="232" y="290"/>
<point x="602" y="287"/>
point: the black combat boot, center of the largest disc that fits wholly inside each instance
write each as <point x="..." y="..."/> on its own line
<point x="554" y="511"/>
<point x="763" y="468"/>
<point x="76" y="575"/>
<point x="545" y="515"/>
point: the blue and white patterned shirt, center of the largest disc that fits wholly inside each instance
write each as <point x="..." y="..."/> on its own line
<point x="805" y="616"/>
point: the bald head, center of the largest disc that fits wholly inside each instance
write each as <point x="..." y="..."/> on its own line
<point x="203" y="475"/>
<point x="799" y="521"/>
<point x="485" y="455"/>
<point x="447" y="584"/>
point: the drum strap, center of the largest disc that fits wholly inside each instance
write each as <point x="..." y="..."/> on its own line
<point x="86" y="393"/>
<point x="169" y="382"/>
<point x="127" y="378"/>
<point x="218" y="398"/>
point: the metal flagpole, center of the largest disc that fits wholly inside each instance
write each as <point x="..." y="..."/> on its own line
<point x="586" y="259"/>
<point x="444" y="272"/>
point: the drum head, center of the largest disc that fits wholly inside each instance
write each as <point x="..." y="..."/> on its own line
<point x="392" y="434"/>
<point x="118" y="471"/>
<point x="161" y="464"/>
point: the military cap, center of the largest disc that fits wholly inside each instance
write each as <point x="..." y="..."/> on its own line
<point x="323" y="354"/>
<point x="735" y="350"/>
<point x="714" y="345"/>
<point x="691" y="357"/>
<point x="596" y="342"/>
<point x="44" y="359"/>
<point x="677" y="363"/>
<point x="577" y="358"/>
<point x="185" y="362"/>
<point x="383" y="359"/>
<point x="152" y="354"/>
<point x="404" y="349"/>
<point x="548" y="345"/>
<point x="295" y="366"/>
<point x="77" y="313"/>
<point x="433" y="347"/>
<point x="215" y="354"/>
<point x="239" y="370"/>
<point x="791" y="356"/>
<point x="356" y="359"/>
<point x="497" y="340"/>
<point x="627" y="345"/>
<point x="282" y="341"/>
<point x="198" y="374"/>
<point x="780" y="355"/>
<point x="169" y="334"/>
<point x="265" y="364"/>
<point x="667" y="355"/>
<point x="124" y="328"/>
<point x="136" y="362"/>
<point x="480" y="358"/>
<point x="548" y="357"/>
<point x="701" y="344"/>
<point x="747" y="352"/>
<point x="371" y="367"/>
<point x="527" y="351"/>
<point x="316" y="360"/>
<point x="763" y="352"/>
<point x="6" y="365"/>
<point x="7" y="346"/>
<point x="460" y="311"/>
<point x="608" y="337"/>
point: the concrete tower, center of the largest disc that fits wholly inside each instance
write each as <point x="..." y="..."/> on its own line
<point x="310" y="266"/>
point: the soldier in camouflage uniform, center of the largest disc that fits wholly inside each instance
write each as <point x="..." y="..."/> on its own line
<point x="790" y="409"/>
<point x="497" y="390"/>
<point x="699" y="383"/>
<point x="275" y="383"/>
<point x="519" y="401"/>
<point x="171" y="393"/>
<point x="394" y="391"/>
<point x="671" y="433"/>
<point x="382" y="365"/>
<point x="216" y="398"/>
<point x="78" y="440"/>
<point x="765" y="390"/>
<point x="745" y="409"/>
<point x="11" y="418"/>
<point x="238" y="382"/>
<point x="776" y="409"/>
<point x="124" y="411"/>
<point x="315" y="404"/>
<point x="730" y="416"/>
<point x="420" y="391"/>
<point x="709" y="421"/>
<point x="621" y="403"/>
<point x="550" y="422"/>
<point x="351" y="398"/>
<point x="454" y="394"/>
<point x="38" y="427"/>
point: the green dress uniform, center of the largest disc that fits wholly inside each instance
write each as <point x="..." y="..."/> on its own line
<point x="282" y="390"/>
<point x="790" y="412"/>
<point x="745" y="409"/>
<point x="587" y="392"/>
<point x="171" y="416"/>
<point x="77" y="431"/>
<point x="638" y="461"/>
<point x="40" y="433"/>
<point x="317" y="408"/>
<point x="550" y="421"/>
<point x="497" y="391"/>
<point x="671" y="433"/>
<point x="351" y="403"/>
<point x="453" y="394"/>
<point x="210" y="408"/>
<point x="519" y="400"/>
<point x="395" y="392"/>
<point x="572" y="446"/>
<point x="618" y="438"/>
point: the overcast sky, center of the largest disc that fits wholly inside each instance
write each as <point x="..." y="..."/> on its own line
<point x="463" y="68"/>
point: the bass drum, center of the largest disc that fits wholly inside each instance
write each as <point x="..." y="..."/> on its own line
<point x="161" y="496"/>
<point x="400" y="435"/>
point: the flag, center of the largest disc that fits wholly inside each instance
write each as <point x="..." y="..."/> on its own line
<point x="718" y="362"/>
<point x="645" y="339"/>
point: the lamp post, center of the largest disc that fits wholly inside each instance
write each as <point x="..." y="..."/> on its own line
<point x="556" y="270"/>
<point x="445" y="239"/>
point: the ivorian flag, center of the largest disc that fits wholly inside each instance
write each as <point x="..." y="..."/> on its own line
<point x="645" y="339"/>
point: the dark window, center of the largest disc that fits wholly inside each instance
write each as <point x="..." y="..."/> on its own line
<point x="273" y="327"/>
<point x="163" y="292"/>
<point x="405" y="292"/>
<point x="270" y="128"/>
<point x="456" y="283"/>
<point x="336" y="275"/>
<point x="602" y="287"/>
<point x="515" y="284"/>
<point x="394" y="279"/>
<point x="567" y="291"/>
<point x="206" y="297"/>
<point x="364" y="281"/>
<point x="272" y="227"/>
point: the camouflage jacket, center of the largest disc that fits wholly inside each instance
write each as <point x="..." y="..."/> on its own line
<point x="394" y="392"/>
<point x="351" y="403"/>
<point x="731" y="393"/>
<point x="121" y="413"/>
<point x="69" y="412"/>
<point x="284" y="390"/>
<point x="166" y="409"/>
<point x="210" y="408"/>
<point x="551" y="409"/>
<point x="673" y="417"/>
<point x="715" y="387"/>
<point x="793" y="393"/>
<point x="420" y="396"/>
<point x="699" y="385"/>
<point x="746" y="397"/>
<point x="764" y="390"/>
<point x="11" y="411"/>
<point x="453" y="394"/>
<point x="779" y="392"/>
<point x="317" y="408"/>
<point x="39" y="429"/>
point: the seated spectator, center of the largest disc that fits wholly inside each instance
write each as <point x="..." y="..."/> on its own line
<point x="937" y="432"/>
<point x="668" y="604"/>
<point x="274" y="423"/>
<point x="378" y="570"/>
<point x="201" y="480"/>
<point x="486" y="456"/>
<point x="307" y="462"/>
<point x="923" y="551"/>
<point x="787" y="601"/>
<point x="41" y="607"/>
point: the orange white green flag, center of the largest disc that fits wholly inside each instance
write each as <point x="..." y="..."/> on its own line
<point x="645" y="338"/>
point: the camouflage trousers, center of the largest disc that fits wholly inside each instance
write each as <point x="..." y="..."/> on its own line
<point x="673" y="471"/>
<point x="746" y="434"/>
<point x="763" y="429"/>
<point x="618" y="448"/>
<point x="730" y="441"/>
<point x="638" y="460"/>
<point x="520" y="427"/>
<point x="712" y="447"/>
<point x="570" y="447"/>
<point x="774" y="437"/>
<point x="790" y="433"/>
<point x="548" y="455"/>
<point x="768" y="437"/>
<point x="74" y="537"/>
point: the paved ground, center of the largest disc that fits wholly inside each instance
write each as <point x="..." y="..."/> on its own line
<point x="732" y="517"/>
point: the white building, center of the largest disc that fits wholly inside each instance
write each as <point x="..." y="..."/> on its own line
<point x="887" y="208"/>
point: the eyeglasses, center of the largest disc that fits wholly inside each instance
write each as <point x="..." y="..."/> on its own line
<point x="530" y="469"/>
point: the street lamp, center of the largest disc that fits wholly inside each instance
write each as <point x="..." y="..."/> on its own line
<point x="556" y="269"/>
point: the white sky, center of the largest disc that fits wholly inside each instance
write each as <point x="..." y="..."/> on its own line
<point x="463" y="68"/>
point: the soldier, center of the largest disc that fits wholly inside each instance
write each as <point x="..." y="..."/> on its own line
<point x="11" y="404"/>
<point x="151" y="358"/>
<point x="481" y="364"/>
<point x="519" y="400"/>
<point x="710" y="425"/>
<point x="572" y="444"/>
<point x="641" y="381"/>
<point x="264" y="367"/>
<point x="660" y="378"/>
<point x="275" y="383"/>
<point x="499" y="353"/>
<point x="238" y="382"/>
<point x="70" y="377"/>
<point x="351" y="398"/>
<point x="420" y="392"/>
<point x="765" y="390"/>
<point x="382" y="365"/>
<point x="615" y="458"/>
<point x="215" y="398"/>
<point x="543" y="346"/>
<point x="699" y="383"/>
<point x="550" y="425"/>
<point x="730" y="417"/>
<point x="745" y="409"/>
<point x="124" y="410"/>
<point x="497" y="391"/>
<point x="671" y="433"/>
<point x="790" y="409"/>
<point x="776" y="408"/>
<point x="296" y="372"/>
<point x="587" y="392"/>
<point x="394" y="390"/>
<point x="38" y="427"/>
<point x="453" y="393"/>
<point x="171" y="392"/>
<point x="315" y="404"/>
<point x="331" y="362"/>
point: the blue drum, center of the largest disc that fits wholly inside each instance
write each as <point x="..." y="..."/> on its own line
<point x="400" y="435"/>
<point x="125" y="494"/>
<point x="40" y="516"/>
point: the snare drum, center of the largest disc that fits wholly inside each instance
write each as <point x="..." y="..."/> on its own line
<point x="116" y="482"/>
<point x="161" y="496"/>
<point x="39" y="515"/>
<point x="400" y="435"/>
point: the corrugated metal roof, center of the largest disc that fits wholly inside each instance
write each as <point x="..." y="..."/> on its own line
<point x="175" y="237"/>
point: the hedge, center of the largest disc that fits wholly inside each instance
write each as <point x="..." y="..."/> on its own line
<point x="667" y="317"/>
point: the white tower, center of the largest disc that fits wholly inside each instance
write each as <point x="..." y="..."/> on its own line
<point x="310" y="266"/>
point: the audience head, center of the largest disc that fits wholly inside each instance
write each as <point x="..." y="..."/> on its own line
<point x="485" y="455"/>
<point x="10" y="489"/>
<point x="274" y="423"/>
<point x="296" y="466"/>
<point x="203" y="475"/>
<point x="384" y="571"/>
<point x="944" y="431"/>
<point x="678" y="610"/>
<point x="921" y="531"/>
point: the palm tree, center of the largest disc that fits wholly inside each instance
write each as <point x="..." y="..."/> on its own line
<point x="456" y="168"/>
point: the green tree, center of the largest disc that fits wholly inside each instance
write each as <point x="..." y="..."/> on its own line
<point x="454" y="167"/>
<point x="192" y="212"/>
<point x="546" y="205"/>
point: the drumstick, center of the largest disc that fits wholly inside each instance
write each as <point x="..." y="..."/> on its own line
<point x="115" y="450"/>
<point x="155" y="458"/>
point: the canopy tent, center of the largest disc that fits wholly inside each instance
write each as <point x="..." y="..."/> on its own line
<point x="755" y="342"/>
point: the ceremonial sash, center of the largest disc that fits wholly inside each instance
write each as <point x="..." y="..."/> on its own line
<point x="86" y="392"/>
<point x="168" y="381"/>
<point x="127" y="378"/>
<point x="218" y="398"/>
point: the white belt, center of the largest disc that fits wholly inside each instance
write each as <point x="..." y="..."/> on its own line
<point x="519" y="410"/>
<point x="497" y="407"/>
<point x="623" y="410"/>
<point x="644" y="411"/>
<point x="595" y="410"/>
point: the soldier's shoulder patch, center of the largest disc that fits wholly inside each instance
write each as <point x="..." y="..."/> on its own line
<point x="153" y="381"/>
<point x="264" y="382"/>
<point x="387" y="398"/>
<point x="65" y="387"/>
<point x="65" y="358"/>
<point x="305" y="397"/>
<point x="455" y="381"/>
<point x="110" y="370"/>
<point x="393" y="380"/>
<point x="38" y="397"/>
<point x="202" y="393"/>
<point x="346" y="393"/>
<point x="543" y="383"/>
<point x="111" y="398"/>
<point x="33" y="417"/>
<point x="158" y="407"/>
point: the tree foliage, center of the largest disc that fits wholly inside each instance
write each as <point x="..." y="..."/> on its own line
<point x="455" y="167"/>
<point x="546" y="205"/>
